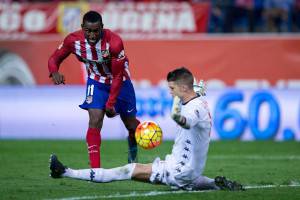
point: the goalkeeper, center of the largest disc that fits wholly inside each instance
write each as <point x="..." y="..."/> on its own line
<point x="183" y="168"/>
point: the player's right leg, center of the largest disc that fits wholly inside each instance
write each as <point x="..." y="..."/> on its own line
<point x="93" y="136"/>
<point x="96" y="96"/>
<point x="56" y="167"/>
<point x="142" y="172"/>
<point x="135" y="171"/>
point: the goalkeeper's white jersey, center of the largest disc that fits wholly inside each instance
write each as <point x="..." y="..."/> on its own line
<point x="191" y="145"/>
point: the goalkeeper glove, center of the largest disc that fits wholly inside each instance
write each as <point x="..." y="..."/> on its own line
<point x="176" y="110"/>
<point x="200" y="88"/>
<point x="176" y="107"/>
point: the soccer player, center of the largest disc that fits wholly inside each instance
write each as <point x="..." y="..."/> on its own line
<point x="182" y="168"/>
<point x="109" y="89"/>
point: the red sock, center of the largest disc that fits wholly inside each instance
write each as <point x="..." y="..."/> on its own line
<point x="93" y="140"/>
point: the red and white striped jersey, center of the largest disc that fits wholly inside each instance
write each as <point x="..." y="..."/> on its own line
<point x="97" y="58"/>
<point x="105" y="61"/>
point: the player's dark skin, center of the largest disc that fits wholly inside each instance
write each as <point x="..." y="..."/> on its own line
<point x="92" y="32"/>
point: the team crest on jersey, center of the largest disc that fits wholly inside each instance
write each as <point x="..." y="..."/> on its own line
<point x="121" y="54"/>
<point x="105" y="54"/>
<point x="89" y="99"/>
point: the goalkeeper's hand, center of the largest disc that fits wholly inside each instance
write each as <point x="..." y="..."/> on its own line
<point x="176" y="109"/>
<point x="200" y="88"/>
<point x="176" y="113"/>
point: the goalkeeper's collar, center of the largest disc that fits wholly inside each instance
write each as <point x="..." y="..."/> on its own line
<point x="197" y="95"/>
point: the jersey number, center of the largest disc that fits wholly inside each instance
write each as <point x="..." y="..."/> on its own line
<point x="90" y="90"/>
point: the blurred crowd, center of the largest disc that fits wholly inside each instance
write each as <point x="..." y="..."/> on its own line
<point x="255" y="16"/>
<point x="229" y="16"/>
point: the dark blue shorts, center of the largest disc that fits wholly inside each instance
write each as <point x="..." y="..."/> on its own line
<point x="97" y="95"/>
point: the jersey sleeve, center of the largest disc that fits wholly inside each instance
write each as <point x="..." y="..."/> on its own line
<point x="60" y="54"/>
<point x="118" y="64"/>
<point x="117" y="47"/>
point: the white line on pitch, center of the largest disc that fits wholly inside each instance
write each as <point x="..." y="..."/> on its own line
<point x="157" y="193"/>
<point x="132" y="194"/>
<point x="256" y="157"/>
<point x="269" y="186"/>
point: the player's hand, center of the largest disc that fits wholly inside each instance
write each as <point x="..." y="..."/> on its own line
<point x="110" y="112"/>
<point x="176" y="113"/>
<point x="57" y="78"/>
<point x="177" y="118"/>
<point x="200" y="88"/>
<point x="176" y="107"/>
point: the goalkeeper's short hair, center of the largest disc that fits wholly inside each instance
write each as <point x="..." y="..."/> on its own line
<point x="181" y="75"/>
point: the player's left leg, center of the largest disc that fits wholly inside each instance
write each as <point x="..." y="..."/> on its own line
<point x="225" y="184"/>
<point x="204" y="183"/>
<point x="126" y="107"/>
<point x="131" y="122"/>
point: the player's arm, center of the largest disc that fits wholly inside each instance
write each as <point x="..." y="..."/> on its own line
<point x="56" y="59"/>
<point x="117" y="81"/>
<point x="176" y="113"/>
<point x="184" y="121"/>
<point x="118" y="64"/>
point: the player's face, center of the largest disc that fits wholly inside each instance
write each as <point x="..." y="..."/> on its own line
<point x="175" y="89"/>
<point x="92" y="31"/>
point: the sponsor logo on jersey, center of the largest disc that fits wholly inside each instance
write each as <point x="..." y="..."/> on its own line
<point x="130" y="110"/>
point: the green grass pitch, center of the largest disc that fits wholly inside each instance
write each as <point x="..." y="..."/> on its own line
<point x="24" y="171"/>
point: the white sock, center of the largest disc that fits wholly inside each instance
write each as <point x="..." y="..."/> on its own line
<point x="204" y="183"/>
<point x="102" y="175"/>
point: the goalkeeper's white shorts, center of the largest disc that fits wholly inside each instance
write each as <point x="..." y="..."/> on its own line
<point x="169" y="173"/>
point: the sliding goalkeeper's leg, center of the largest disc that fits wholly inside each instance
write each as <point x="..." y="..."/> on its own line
<point x="58" y="170"/>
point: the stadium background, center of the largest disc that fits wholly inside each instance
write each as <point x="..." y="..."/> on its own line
<point x="247" y="51"/>
<point x="253" y="79"/>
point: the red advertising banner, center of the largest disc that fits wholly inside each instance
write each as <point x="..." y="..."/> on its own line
<point x="229" y="60"/>
<point x="150" y="18"/>
<point x="133" y="18"/>
<point x="28" y="18"/>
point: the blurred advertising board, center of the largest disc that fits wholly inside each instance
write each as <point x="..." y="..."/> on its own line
<point x="258" y="61"/>
<point x="134" y="18"/>
<point x="28" y="18"/>
<point x="49" y="112"/>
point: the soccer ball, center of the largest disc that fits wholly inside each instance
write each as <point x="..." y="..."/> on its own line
<point x="148" y="135"/>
